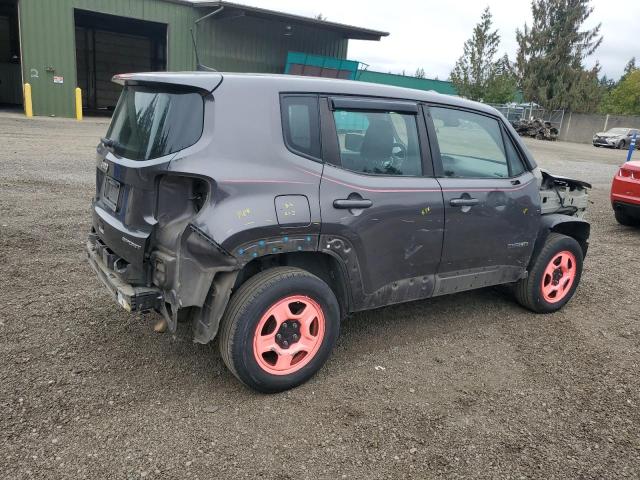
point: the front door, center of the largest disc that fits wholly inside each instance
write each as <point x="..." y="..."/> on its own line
<point x="490" y="199"/>
<point x="381" y="208"/>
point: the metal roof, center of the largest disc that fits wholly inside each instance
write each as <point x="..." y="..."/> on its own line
<point x="235" y="9"/>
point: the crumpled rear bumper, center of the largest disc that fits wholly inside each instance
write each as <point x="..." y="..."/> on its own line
<point x="131" y="297"/>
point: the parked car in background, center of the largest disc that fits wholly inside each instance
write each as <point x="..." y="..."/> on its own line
<point x="266" y="208"/>
<point x="616" y="138"/>
<point x="625" y="194"/>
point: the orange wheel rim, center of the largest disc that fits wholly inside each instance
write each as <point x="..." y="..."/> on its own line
<point x="559" y="276"/>
<point x="289" y="335"/>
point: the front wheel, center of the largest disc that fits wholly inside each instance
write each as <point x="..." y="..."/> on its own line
<point x="279" y="329"/>
<point x="553" y="277"/>
<point x="622" y="144"/>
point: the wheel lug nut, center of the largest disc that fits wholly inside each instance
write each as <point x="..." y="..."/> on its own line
<point x="278" y="336"/>
<point x="295" y="337"/>
<point x="285" y="344"/>
<point x="284" y="325"/>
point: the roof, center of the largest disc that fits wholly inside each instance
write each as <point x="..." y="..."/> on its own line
<point x="293" y="83"/>
<point x="235" y="9"/>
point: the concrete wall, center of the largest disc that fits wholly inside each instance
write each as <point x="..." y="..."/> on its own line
<point x="580" y="127"/>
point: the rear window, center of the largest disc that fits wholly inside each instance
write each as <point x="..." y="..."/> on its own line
<point x="148" y="123"/>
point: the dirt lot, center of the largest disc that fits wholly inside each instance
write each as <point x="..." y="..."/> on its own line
<point x="472" y="385"/>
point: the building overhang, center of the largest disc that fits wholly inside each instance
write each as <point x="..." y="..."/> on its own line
<point x="235" y="10"/>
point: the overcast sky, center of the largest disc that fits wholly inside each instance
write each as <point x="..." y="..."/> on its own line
<point x="431" y="33"/>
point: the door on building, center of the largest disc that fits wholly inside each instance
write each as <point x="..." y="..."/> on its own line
<point x="107" y="45"/>
<point x="10" y="75"/>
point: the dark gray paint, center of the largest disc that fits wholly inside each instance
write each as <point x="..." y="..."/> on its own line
<point x="409" y="243"/>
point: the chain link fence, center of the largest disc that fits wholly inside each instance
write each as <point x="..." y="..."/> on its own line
<point x="514" y="113"/>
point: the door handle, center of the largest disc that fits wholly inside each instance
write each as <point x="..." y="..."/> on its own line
<point x="463" y="202"/>
<point x="348" y="203"/>
<point x="515" y="182"/>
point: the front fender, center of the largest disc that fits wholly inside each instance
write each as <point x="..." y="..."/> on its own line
<point x="567" y="225"/>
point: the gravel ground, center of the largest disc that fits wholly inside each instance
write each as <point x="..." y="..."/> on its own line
<point x="469" y="385"/>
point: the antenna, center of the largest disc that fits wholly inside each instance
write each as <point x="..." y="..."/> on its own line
<point x="199" y="66"/>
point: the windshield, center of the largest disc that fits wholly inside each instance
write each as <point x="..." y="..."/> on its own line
<point x="618" y="131"/>
<point x="149" y="123"/>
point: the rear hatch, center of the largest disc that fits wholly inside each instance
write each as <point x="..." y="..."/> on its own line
<point x="151" y="123"/>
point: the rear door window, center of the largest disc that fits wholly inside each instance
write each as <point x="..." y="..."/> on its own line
<point x="378" y="142"/>
<point x="150" y="123"/>
<point x="473" y="146"/>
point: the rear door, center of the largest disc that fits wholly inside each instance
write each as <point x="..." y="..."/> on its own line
<point x="381" y="206"/>
<point x="491" y="200"/>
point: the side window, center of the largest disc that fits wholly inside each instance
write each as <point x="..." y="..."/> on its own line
<point x="301" y="125"/>
<point x="379" y="142"/>
<point x="515" y="163"/>
<point x="472" y="146"/>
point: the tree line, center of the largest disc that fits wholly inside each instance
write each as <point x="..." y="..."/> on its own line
<point x="549" y="65"/>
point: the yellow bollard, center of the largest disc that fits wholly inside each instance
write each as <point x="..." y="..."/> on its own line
<point x="78" y="104"/>
<point x="28" y="104"/>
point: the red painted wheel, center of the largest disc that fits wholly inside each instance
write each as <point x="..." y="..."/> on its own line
<point x="289" y="335"/>
<point x="554" y="275"/>
<point x="279" y="328"/>
<point x="559" y="276"/>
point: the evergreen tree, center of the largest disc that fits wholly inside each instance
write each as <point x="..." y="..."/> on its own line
<point x="551" y="53"/>
<point x="420" y="73"/>
<point x="502" y="83"/>
<point x="629" y="68"/>
<point x="475" y="67"/>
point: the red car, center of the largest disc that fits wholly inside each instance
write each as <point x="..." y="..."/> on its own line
<point x="625" y="194"/>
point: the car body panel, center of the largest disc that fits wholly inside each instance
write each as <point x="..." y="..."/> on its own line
<point x="496" y="233"/>
<point x="626" y="184"/>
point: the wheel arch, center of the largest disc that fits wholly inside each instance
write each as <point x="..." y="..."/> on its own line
<point x="573" y="227"/>
<point x="325" y="266"/>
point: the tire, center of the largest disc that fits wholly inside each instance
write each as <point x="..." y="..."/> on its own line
<point x="622" y="144"/>
<point x="536" y="292"/>
<point x="624" y="219"/>
<point x="278" y="303"/>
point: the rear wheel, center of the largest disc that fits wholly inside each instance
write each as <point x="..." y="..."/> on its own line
<point x="554" y="276"/>
<point x="279" y="329"/>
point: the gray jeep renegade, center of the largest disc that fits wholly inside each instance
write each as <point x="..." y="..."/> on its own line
<point x="264" y="209"/>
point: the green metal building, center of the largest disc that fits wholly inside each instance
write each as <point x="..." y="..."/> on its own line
<point x="440" y="86"/>
<point x="58" y="45"/>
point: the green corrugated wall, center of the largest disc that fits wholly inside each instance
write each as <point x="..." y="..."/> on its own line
<point x="249" y="44"/>
<point x="47" y="33"/>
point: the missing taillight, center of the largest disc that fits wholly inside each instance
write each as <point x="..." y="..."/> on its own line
<point x="180" y="197"/>
<point x="200" y="192"/>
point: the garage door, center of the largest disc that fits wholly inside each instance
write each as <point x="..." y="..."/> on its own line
<point x="103" y="52"/>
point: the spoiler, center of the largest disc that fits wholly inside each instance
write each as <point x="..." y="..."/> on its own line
<point x="207" y="81"/>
